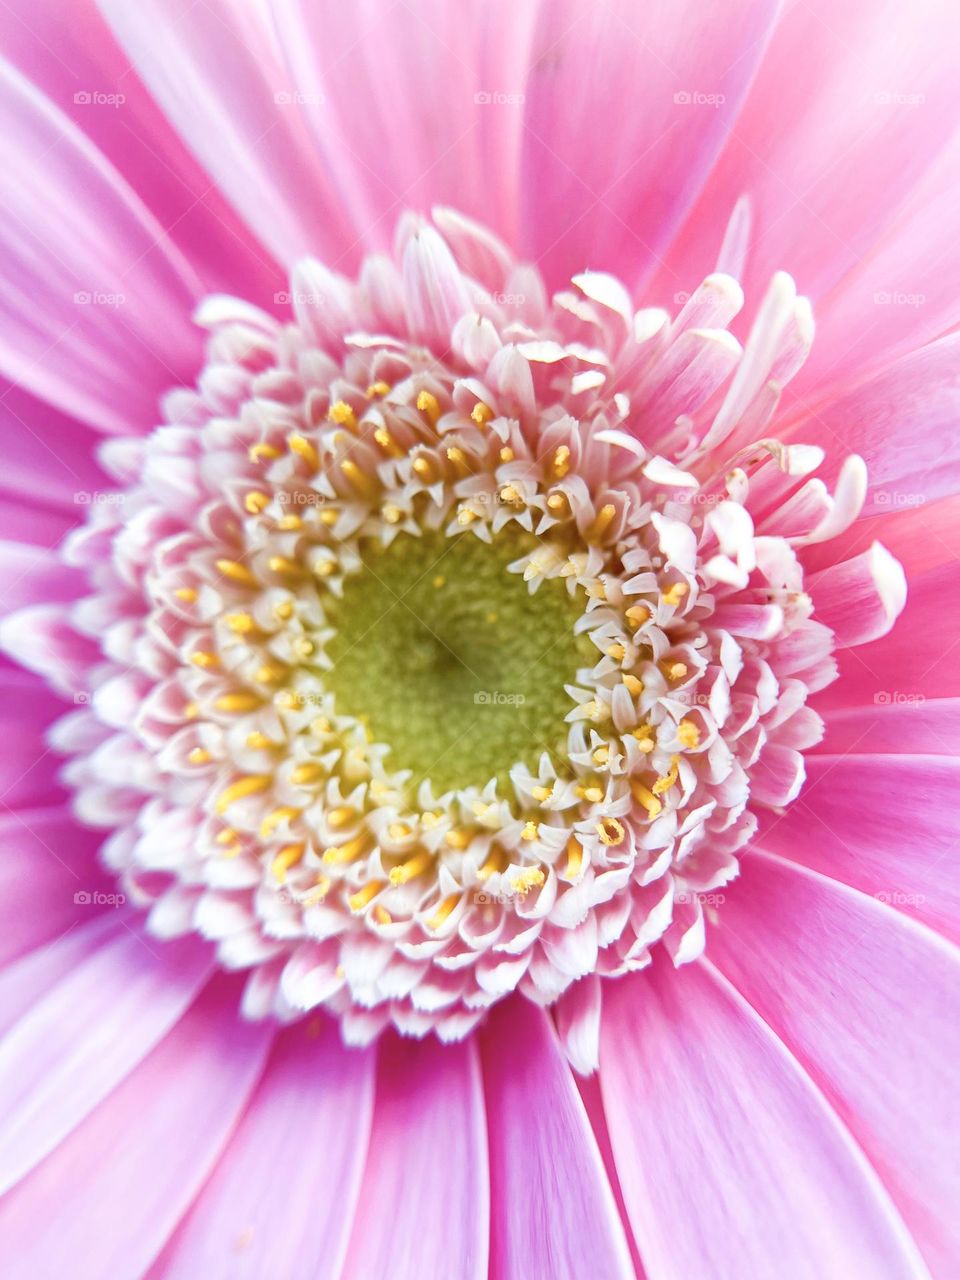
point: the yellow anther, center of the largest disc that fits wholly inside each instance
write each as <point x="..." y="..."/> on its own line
<point x="507" y="454"/>
<point x="666" y="782"/>
<point x="364" y="484"/>
<point x="560" y="463"/>
<point x="205" y="659"/>
<point x="303" y="647"/>
<point x="325" y="568"/>
<point x="637" y="615"/>
<point x="288" y="857"/>
<point x="269" y="675"/>
<point x="444" y="909"/>
<point x="596" y="710"/>
<point x="387" y="443"/>
<point x="233" y="850"/>
<point x="601" y="522"/>
<point x="592" y="793"/>
<point x="425" y="469"/>
<point x="430" y="819"/>
<point x="256" y="452"/>
<point x="289" y="524"/>
<point x="317" y="894"/>
<point x="634" y="685"/>
<point x="688" y="734"/>
<point x="415" y="866"/>
<point x="459" y="460"/>
<point x="465" y="516"/>
<point x="617" y="652"/>
<point x="320" y="727"/>
<point x="531" y="831"/>
<point x="363" y="897"/>
<point x="378" y="389"/>
<point x="329" y="516"/>
<point x="428" y="404"/>
<point x="237" y="703"/>
<point x="645" y="797"/>
<point x="251" y="785"/>
<point x="496" y="861"/>
<point x="283" y="813"/>
<point x="399" y="831"/>
<point x="646" y="737"/>
<point x="673" y="595"/>
<point x="258" y="741"/>
<point x="602" y="755"/>
<point x="191" y="711"/>
<point x="382" y="915"/>
<point x="597" y="591"/>
<point x="342" y="815"/>
<point x="524" y="881"/>
<point x="541" y="794"/>
<point x="558" y="505"/>
<point x="226" y="836"/>
<point x="240" y="623"/>
<point x="283" y="610"/>
<point x="343" y="415"/>
<point x="305" y="775"/>
<point x="481" y="413"/>
<point x="350" y="851"/>
<point x="511" y="494"/>
<point x="611" y="831"/>
<point x="237" y="572"/>
<point x="186" y="594"/>
<point x="673" y="670"/>
<point x="574" y="857"/>
<point x="458" y="839"/>
<point x="280" y="564"/>
<point x="256" y="501"/>
<point x="199" y="756"/>
<point x="392" y="513"/>
<point x="439" y="581"/>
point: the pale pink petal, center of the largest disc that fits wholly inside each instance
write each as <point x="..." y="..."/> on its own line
<point x="49" y="458"/>
<point x="860" y="599"/>
<point x="428" y="1160"/>
<point x="84" y="1036"/>
<point x="867" y="1000"/>
<point x="902" y="724"/>
<point x="121" y="1181"/>
<point x="553" y="1212"/>
<point x="732" y="1163"/>
<point x="97" y="321"/>
<point x="28" y="979"/>
<point x="281" y="1199"/>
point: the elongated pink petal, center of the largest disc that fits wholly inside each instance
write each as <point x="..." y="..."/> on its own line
<point x="867" y="1000"/>
<point x="732" y="1164"/>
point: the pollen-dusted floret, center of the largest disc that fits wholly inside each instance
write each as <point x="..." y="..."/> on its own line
<point x="451" y="653"/>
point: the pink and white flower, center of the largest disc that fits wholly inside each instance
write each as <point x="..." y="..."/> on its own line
<point x="491" y="616"/>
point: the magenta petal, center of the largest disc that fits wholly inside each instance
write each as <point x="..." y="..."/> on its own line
<point x="428" y="1160"/>
<point x="281" y="1199"/>
<point x="553" y="1212"/>
<point x="869" y="1001"/>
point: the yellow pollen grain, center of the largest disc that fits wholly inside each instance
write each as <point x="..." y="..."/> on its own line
<point x="673" y="595"/>
<point x="444" y="910"/>
<point x="645" y="736"/>
<point x="281" y="565"/>
<point x="688" y="734"/>
<point x="329" y="517"/>
<point x="611" y="831"/>
<point x="637" y="615"/>
<point x="645" y="797"/>
<point x="204" y="658"/>
<point x="430" y="819"/>
<point x="363" y="897"/>
<point x="673" y="670"/>
<point x="560" y="463"/>
<point x="320" y="727"/>
<point x="428" y="404"/>
<point x="541" y="794"/>
<point x="496" y="861"/>
<point x="191" y="711"/>
<point x="523" y="882"/>
<point x="364" y="484"/>
<point x="237" y="572"/>
<point x="507" y="454"/>
<point x="343" y="415"/>
<point x="382" y="915"/>
<point x="258" y="741"/>
<point x="251" y="785"/>
<point x="530" y="831"/>
<point x="481" y="413"/>
<point x="558" y="504"/>
<point x="378" y="390"/>
<point x="187" y="594"/>
<point x="415" y="866"/>
<point x="342" y="815"/>
<point x="458" y="839"/>
<point x="289" y="524"/>
<point x="574" y="857"/>
<point x="237" y="703"/>
<point x="601" y="522"/>
<point x="350" y="851"/>
<point x="387" y="443"/>
<point x="283" y="813"/>
<point x="459" y="460"/>
<point x="392" y="513"/>
<point x="399" y="831"/>
<point x="666" y="782"/>
<point x="633" y="685"/>
<point x="465" y="516"/>
<point x="256" y="501"/>
<point x="283" y="611"/>
<point x="199" y="756"/>
<point x="262" y="450"/>
<point x="288" y="857"/>
<point x="602" y="755"/>
<point x="226" y="836"/>
<point x="425" y="469"/>
<point x="617" y="652"/>
<point x="269" y="675"/>
<point x="306" y="775"/>
<point x="240" y="623"/>
<point x="304" y="648"/>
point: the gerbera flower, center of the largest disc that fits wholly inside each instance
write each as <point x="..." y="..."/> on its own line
<point x="503" y="823"/>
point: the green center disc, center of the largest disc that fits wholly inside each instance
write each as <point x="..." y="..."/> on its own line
<point x="450" y="661"/>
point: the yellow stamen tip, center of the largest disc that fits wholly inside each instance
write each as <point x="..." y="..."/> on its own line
<point x="243" y="787"/>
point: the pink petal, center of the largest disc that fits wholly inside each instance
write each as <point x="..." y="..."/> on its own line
<point x="860" y="599"/>
<point x="731" y="1161"/>
<point x="98" y="320"/>
<point x="553" y="1212"/>
<point x="122" y="1179"/>
<point x="869" y="1002"/>
<point x="427" y="1158"/>
<point x="310" y="1116"/>
<point x="911" y="726"/>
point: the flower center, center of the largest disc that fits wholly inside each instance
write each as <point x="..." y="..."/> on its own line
<point x="447" y="658"/>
